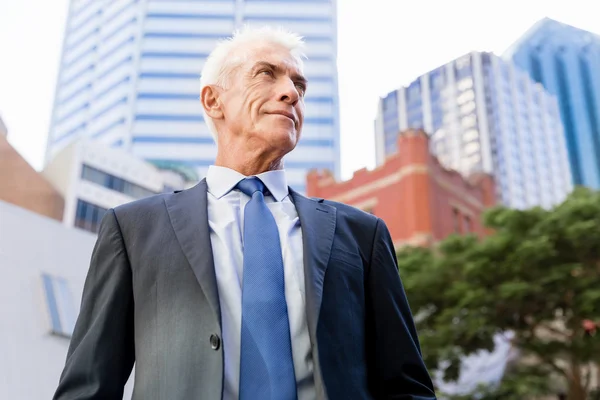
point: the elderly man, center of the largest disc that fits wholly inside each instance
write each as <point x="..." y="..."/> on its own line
<point x="240" y="287"/>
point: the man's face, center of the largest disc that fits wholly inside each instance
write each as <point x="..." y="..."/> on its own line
<point x="264" y="101"/>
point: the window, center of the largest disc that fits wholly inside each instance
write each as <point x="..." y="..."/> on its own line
<point x="463" y="73"/>
<point x="391" y="102"/>
<point x="392" y="126"/>
<point x="60" y="305"/>
<point x="468" y="224"/>
<point x="463" y="62"/>
<point x="536" y="68"/>
<point x="436" y="79"/>
<point x="415" y="119"/>
<point x="88" y="216"/>
<point x="414" y="92"/>
<point x="456" y="220"/>
<point x="112" y="182"/>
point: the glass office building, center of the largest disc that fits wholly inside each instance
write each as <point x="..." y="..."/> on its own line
<point x="566" y="60"/>
<point x="484" y="115"/>
<point x="130" y="69"/>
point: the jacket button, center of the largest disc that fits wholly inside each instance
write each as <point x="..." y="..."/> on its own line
<point x="215" y="342"/>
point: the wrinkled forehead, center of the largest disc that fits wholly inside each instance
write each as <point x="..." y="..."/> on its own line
<point x="250" y="57"/>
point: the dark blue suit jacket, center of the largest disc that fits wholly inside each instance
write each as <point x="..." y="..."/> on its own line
<point x="368" y="345"/>
<point x="151" y="298"/>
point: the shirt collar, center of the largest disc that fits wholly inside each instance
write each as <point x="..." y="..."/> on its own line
<point x="221" y="180"/>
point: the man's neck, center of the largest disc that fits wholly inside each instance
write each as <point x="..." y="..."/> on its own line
<point x="248" y="166"/>
<point x="246" y="158"/>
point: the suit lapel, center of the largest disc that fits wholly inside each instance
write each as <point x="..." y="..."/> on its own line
<point x="318" y="227"/>
<point x="188" y="211"/>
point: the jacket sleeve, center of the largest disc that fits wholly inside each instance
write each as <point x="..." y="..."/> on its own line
<point x="101" y="353"/>
<point x="395" y="365"/>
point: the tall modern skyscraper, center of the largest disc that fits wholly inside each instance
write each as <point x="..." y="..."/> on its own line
<point x="130" y="69"/>
<point x="483" y="114"/>
<point x="566" y="60"/>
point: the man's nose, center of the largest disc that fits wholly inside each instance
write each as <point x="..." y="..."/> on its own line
<point x="289" y="92"/>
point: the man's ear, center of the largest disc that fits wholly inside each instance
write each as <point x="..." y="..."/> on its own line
<point x="210" y="98"/>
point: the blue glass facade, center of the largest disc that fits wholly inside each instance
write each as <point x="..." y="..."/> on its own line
<point x="437" y="80"/>
<point x="391" y="125"/>
<point x="414" y="105"/>
<point x="566" y="61"/>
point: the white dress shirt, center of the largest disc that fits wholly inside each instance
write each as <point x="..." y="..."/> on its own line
<point x="226" y="220"/>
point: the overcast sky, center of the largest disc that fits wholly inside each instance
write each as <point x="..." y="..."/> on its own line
<point x="383" y="44"/>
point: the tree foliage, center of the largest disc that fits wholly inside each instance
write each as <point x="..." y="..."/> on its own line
<point x="537" y="276"/>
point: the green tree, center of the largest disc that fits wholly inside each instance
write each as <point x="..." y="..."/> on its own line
<point x="536" y="277"/>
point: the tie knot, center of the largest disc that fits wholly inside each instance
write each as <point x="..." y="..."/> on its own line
<point x="251" y="185"/>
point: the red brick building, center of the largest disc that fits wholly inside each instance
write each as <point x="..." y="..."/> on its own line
<point x="420" y="201"/>
<point x="23" y="186"/>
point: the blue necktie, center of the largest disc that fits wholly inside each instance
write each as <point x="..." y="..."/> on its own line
<point x="266" y="364"/>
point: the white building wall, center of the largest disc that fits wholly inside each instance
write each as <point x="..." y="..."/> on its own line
<point x="451" y="128"/>
<point x="65" y="173"/>
<point x="379" y="135"/>
<point x="56" y="172"/>
<point x="30" y="245"/>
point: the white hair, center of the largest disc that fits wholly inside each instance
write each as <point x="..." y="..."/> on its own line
<point x="220" y="63"/>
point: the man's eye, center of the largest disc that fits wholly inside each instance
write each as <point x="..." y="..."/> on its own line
<point x="301" y="87"/>
<point x="266" y="72"/>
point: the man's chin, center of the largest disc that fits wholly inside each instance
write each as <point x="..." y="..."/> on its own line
<point x="284" y="138"/>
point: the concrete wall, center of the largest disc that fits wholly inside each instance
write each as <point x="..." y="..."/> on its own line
<point x="60" y="170"/>
<point x="32" y="358"/>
